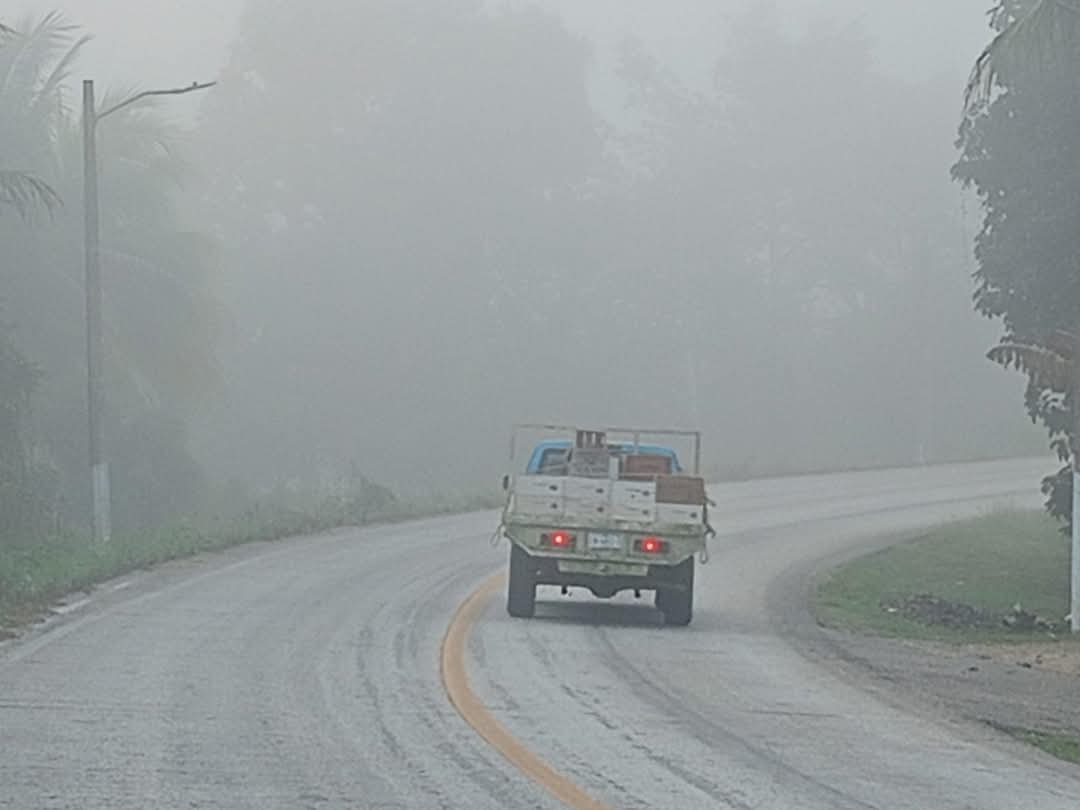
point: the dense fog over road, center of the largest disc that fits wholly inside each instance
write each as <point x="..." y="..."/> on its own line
<point x="158" y="38"/>
<point x="400" y="227"/>
<point x="799" y="278"/>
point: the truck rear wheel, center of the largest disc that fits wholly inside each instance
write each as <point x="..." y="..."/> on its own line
<point x="521" y="590"/>
<point x="677" y="604"/>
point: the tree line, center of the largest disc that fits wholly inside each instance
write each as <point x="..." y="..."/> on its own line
<point x="398" y="227"/>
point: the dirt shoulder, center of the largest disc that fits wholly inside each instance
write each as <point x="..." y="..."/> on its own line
<point x="1024" y="686"/>
<point x="962" y="622"/>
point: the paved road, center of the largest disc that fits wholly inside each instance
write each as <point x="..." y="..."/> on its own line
<point x="305" y="675"/>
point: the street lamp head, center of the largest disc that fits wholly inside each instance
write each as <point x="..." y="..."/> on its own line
<point x="178" y="91"/>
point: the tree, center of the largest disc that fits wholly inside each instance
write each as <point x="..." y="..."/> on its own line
<point x="816" y="240"/>
<point x="33" y="67"/>
<point x="17" y="496"/>
<point x="438" y="236"/>
<point x="163" y="321"/>
<point x="25" y="192"/>
<point x="1034" y="38"/>
<point x="1020" y="153"/>
<point x="401" y="229"/>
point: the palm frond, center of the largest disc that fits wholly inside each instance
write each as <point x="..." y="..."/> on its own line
<point x="50" y="91"/>
<point x="31" y="49"/>
<point x="1044" y="367"/>
<point x="144" y="141"/>
<point x="111" y="96"/>
<point x="1064" y="343"/>
<point x="34" y="64"/>
<point x="26" y="192"/>
<point x="1034" y="43"/>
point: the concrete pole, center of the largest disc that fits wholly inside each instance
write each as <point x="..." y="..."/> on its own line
<point x="95" y="337"/>
<point x="1074" y="602"/>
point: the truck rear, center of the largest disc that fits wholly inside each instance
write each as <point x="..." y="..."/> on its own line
<point x="603" y="510"/>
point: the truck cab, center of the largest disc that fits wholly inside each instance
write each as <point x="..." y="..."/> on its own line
<point x="550" y="456"/>
<point x="609" y="512"/>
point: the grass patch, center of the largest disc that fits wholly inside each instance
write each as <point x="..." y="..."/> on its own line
<point x="958" y="583"/>
<point x="34" y="574"/>
<point x="1062" y="746"/>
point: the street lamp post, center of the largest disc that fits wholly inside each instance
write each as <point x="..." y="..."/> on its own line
<point x="1074" y="451"/>
<point x="95" y="336"/>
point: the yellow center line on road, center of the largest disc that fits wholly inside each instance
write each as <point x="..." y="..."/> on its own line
<point x="456" y="682"/>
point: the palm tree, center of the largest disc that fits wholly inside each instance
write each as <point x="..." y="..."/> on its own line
<point x="1034" y="36"/>
<point x="162" y="321"/>
<point x="1038" y="46"/>
<point x="34" y="62"/>
<point x="33" y="65"/>
<point x="162" y="268"/>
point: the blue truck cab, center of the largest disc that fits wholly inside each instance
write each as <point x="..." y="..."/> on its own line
<point x="551" y="453"/>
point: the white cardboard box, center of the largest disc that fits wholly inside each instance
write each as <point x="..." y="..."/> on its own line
<point x="593" y="507"/>
<point x="634" y="491"/>
<point x="587" y="488"/>
<point x="538" y="505"/>
<point x="639" y="513"/>
<point x="678" y="513"/>
<point x="631" y="503"/>
<point x="544" y="486"/>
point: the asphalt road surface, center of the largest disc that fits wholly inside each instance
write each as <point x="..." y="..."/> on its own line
<point x="306" y="674"/>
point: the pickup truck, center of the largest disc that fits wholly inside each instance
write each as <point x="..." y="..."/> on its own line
<point x="602" y="510"/>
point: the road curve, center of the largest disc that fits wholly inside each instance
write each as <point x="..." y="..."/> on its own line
<point x="306" y="674"/>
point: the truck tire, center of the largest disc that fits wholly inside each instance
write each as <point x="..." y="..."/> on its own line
<point x="677" y="604"/>
<point x="658" y="600"/>
<point x="521" y="589"/>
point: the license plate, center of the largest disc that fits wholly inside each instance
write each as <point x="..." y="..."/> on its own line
<point x="605" y="542"/>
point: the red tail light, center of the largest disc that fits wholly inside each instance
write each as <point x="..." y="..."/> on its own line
<point x="559" y="539"/>
<point x="650" y="545"/>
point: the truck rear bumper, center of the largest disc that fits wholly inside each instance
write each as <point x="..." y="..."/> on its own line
<point x="548" y="572"/>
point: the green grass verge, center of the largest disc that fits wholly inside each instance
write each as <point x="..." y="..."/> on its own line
<point x="1062" y="746"/>
<point x="989" y="563"/>
<point x="34" y="574"/>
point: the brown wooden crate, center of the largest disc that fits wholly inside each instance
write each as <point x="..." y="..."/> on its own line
<point x="685" y="489"/>
<point x="644" y="464"/>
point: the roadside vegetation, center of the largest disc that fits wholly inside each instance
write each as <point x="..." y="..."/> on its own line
<point x="161" y="494"/>
<point x="34" y="574"/>
<point x="993" y="588"/>
<point x="1019" y="155"/>
<point x="1062" y="746"/>
<point x="1003" y="576"/>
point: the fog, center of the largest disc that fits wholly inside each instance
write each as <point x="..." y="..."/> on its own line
<point x="155" y="41"/>
<point x="420" y="222"/>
